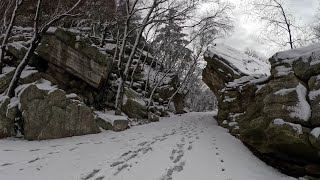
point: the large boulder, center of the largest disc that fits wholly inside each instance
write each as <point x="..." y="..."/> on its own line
<point x="225" y="64"/>
<point x="133" y="105"/>
<point x="6" y="123"/>
<point x="67" y="50"/>
<point x="276" y="115"/>
<point x="48" y="113"/>
<point x="6" y="77"/>
<point x="112" y="122"/>
<point x="70" y="52"/>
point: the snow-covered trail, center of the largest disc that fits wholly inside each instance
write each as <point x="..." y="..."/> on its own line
<point x="187" y="147"/>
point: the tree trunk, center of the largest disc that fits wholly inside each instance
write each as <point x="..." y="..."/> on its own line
<point x="8" y="32"/>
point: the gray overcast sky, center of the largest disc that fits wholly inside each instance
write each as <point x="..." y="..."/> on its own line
<point x="245" y="32"/>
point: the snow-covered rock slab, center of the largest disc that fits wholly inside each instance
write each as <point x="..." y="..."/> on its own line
<point x="238" y="61"/>
<point x="112" y="122"/>
<point x="226" y="64"/>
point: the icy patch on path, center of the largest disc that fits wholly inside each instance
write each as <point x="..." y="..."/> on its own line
<point x="185" y="147"/>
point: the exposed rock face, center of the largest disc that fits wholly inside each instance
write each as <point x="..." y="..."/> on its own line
<point x="278" y="115"/>
<point x="112" y="122"/>
<point x="69" y="61"/>
<point x="5" y="78"/>
<point x="6" y="122"/>
<point x="50" y="113"/>
<point x="63" y="49"/>
<point x="134" y="106"/>
<point x="224" y="64"/>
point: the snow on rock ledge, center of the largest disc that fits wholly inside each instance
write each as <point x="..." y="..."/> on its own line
<point x="225" y="64"/>
<point x="112" y="122"/>
<point x="239" y="62"/>
<point x="280" y="113"/>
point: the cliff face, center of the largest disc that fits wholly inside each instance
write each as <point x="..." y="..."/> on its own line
<point x="83" y="80"/>
<point x="277" y="116"/>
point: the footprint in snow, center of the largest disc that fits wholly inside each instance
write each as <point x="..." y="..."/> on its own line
<point x="33" y="150"/>
<point x="53" y="153"/>
<point x="7" y="164"/>
<point x="82" y="143"/>
<point x="56" y="145"/>
<point x="33" y="160"/>
<point x="99" y="178"/>
<point x="91" y="175"/>
<point x="8" y="150"/>
<point x="72" y="149"/>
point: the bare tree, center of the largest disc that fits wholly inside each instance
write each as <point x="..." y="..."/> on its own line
<point x="316" y="25"/>
<point x="8" y="29"/>
<point x="280" y="25"/>
<point x="149" y="18"/>
<point x="204" y="31"/>
<point x="39" y="31"/>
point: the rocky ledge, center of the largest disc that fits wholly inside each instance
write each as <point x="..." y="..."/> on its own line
<point x="277" y="115"/>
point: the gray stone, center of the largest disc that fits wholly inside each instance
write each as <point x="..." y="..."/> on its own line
<point x="117" y="125"/>
<point x="77" y="57"/>
<point x="314" y="96"/>
<point x="133" y="105"/>
<point x="49" y="114"/>
<point x="153" y="117"/>
<point x="6" y="124"/>
<point x="5" y="79"/>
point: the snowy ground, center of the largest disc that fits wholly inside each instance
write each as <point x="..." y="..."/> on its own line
<point x="187" y="147"/>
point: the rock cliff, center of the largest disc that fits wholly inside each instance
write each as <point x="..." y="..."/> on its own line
<point x="75" y="64"/>
<point x="276" y="115"/>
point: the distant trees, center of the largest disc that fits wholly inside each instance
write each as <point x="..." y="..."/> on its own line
<point x="252" y="53"/>
<point x="316" y="27"/>
<point x="168" y="21"/>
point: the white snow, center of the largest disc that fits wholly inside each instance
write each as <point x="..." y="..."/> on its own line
<point x="227" y="99"/>
<point x="239" y="61"/>
<point x="7" y="69"/>
<point x="259" y="87"/>
<point x="51" y="30"/>
<point x="187" y="147"/>
<point x="282" y="71"/>
<point x="72" y="95"/>
<point x="110" y="117"/>
<point x="17" y="45"/>
<point x="314" y="94"/>
<point x="28" y="71"/>
<point x="299" y="52"/>
<point x="302" y="110"/>
<point x="283" y="92"/>
<point x="296" y="127"/>
<point x="45" y="85"/>
<point x="316" y="132"/>
<point x="109" y="46"/>
<point x="232" y="124"/>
